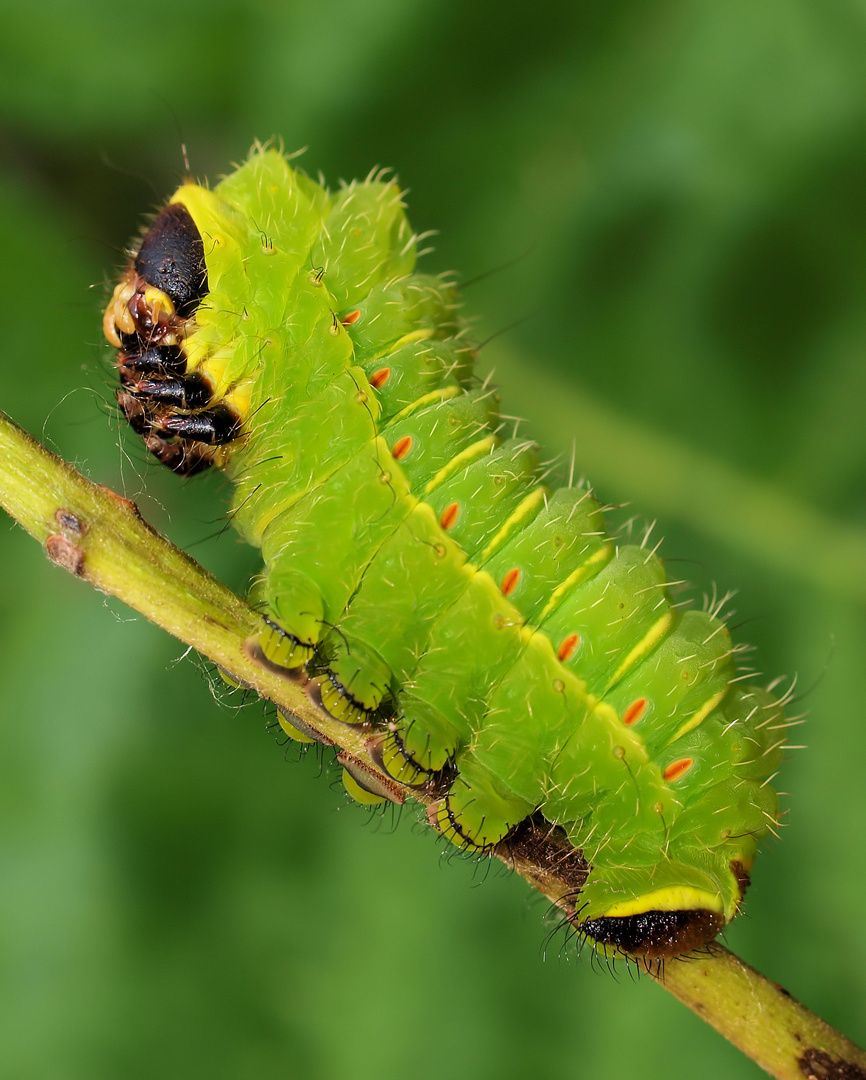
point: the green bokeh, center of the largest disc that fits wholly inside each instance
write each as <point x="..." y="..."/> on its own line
<point x="676" y="191"/>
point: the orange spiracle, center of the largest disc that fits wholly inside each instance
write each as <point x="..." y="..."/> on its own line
<point x="635" y="711"/>
<point x="401" y="447"/>
<point x="567" y="647"/>
<point x="450" y="515"/>
<point x="676" y="769"/>
<point x="509" y="582"/>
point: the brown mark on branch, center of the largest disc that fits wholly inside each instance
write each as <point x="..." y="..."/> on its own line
<point x="819" y="1065"/>
<point x="65" y="553"/>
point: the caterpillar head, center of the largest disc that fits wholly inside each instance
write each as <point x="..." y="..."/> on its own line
<point x="253" y="298"/>
<point x="149" y="319"/>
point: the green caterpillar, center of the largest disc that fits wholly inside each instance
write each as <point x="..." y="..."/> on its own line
<point x="503" y="650"/>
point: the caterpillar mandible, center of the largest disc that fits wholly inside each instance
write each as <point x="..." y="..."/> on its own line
<point x="501" y="648"/>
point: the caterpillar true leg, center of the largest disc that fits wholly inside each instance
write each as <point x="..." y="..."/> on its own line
<point x="214" y="426"/>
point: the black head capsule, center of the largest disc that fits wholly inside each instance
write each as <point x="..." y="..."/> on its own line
<point x="171" y="258"/>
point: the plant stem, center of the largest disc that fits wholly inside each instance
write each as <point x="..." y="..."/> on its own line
<point x="100" y="537"/>
<point x="761" y="1019"/>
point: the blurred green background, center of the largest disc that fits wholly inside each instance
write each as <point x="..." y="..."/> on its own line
<point x="677" y="189"/>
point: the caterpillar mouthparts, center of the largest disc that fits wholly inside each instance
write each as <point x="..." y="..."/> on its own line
<point x="148" y="319"/>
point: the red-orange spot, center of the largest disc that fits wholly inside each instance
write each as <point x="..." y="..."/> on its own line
<point x="380" y="377"/>
<point x="509" y="582"/>
<point x="449" y="515"/>
<point x="635" y="711"/>
<point x="677" y="768"/>
<point x="350" y="317"/>
<point x="568" y="646"/>
<point x="401" y="447"/>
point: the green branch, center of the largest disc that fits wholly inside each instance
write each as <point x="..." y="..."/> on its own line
<point x="101" y="538"/>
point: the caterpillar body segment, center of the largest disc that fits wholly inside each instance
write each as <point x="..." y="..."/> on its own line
<point x="499" y="643"/>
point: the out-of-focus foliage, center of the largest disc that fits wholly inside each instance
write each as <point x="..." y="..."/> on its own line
<point x="680" y="192"/>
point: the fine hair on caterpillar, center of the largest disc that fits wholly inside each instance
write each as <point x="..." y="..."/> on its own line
<point x="497" y="647"/>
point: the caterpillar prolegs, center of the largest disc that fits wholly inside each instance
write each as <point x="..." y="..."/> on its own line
<point x="508" y="653"/>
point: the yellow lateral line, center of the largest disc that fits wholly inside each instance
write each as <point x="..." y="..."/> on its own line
<point x="526" y="506"/>
<point x="601" y="555"/>
<point x="698" y="717"/>
<point x="406" y="339"/>
<point x="471" y="453"/>
<point x="643" y="646"/>
<point x="443" y="394"/>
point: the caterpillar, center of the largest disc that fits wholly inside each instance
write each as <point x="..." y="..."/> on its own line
<point x="504" y="651"/>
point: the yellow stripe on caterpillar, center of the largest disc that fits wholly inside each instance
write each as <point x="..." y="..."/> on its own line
<point x="459" y="461"/>
<point x="698" y="717"/>
<point x="674" y="898"/>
